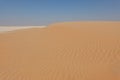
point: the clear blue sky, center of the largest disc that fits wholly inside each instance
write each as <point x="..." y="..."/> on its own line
<point x="44" y="12"/>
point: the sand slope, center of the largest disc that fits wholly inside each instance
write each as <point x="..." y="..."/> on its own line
<point x="62" y="51"/>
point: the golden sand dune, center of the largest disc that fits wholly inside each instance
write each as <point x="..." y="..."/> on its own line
<point x="62" y="51"/>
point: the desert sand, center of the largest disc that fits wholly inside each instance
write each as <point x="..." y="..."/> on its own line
<point x="62" y="51"/>
<point x="13" y="28"/>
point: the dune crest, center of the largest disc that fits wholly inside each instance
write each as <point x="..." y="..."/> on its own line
<point x="62" y="51"/>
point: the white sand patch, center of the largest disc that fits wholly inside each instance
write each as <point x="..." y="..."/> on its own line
<point x="12" y="28"/>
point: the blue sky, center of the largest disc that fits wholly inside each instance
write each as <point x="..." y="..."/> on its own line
<point x="44" y="12"/>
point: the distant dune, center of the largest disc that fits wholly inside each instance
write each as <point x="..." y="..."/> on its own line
<point x="62" y="51"/>
<point x="13" y="28"/>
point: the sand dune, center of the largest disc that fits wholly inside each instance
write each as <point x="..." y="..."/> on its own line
<point x="62" y="51"/>
<point x="13" y="28"/>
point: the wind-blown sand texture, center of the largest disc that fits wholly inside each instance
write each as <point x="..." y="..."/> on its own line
<point x="62" y="51"/>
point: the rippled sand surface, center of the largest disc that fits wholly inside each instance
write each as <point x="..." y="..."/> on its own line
<point x="62" y="51"/>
